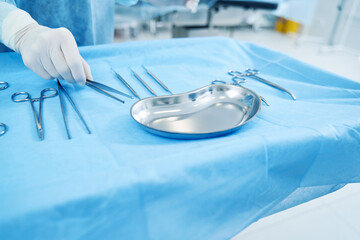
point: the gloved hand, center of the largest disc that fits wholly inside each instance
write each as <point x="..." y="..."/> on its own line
<point x="53" y="53"/>
<point x="50" y="53"/>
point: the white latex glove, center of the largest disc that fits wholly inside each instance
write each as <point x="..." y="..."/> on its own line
<point x="53" y="53"/>
<point x="50" y="53"/>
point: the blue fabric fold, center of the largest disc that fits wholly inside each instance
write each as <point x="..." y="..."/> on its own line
<point x="124" y="183"/>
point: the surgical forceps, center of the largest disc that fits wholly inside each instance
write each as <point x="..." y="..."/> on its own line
<point x="45" y="93"/>
<point x="101" y="88"/>
<point x="249" y="72"/>
<point x="61" y="90"/>
<point x="3" y="86"/>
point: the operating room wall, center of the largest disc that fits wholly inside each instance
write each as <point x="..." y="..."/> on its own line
<point x="351" y="35"/>
<point x="348" y="31"/>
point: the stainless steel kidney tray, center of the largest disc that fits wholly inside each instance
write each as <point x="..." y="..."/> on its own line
<point x="210" y="111"/>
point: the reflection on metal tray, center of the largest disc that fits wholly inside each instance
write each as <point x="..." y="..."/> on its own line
<point x="210" y="111"/>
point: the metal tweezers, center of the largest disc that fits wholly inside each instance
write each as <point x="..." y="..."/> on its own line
<point x="61" y="90"/>
<point x="102" y="87"/>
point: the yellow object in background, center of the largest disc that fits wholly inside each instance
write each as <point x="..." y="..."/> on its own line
<point x="286" y="26"/>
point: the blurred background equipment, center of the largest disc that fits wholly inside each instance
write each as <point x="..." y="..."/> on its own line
<point x="324" y="33"/>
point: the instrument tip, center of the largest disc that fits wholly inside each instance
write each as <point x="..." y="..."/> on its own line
<point x="41" y="135"/>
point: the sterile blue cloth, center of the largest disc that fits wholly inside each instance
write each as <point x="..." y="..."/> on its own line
<point x="121" y="182"/>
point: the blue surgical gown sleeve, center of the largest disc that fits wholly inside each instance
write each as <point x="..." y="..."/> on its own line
<point x="90" y="21"/>
<point x="6" y="6"/>
<point x="126" y="2"/>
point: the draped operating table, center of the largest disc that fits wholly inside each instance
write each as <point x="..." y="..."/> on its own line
<point x="121" y="182"/>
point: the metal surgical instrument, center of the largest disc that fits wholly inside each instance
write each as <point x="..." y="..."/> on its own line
<point x="249" y="72"/>
<point x="238" y="80"/>
<point x="61" y="90"/>
<point x="4" y="128"/>
<point x="143" y="83"/>
<point x="126" y="84"/>
<point x="3" y="85"/>
<point x="157" y="80"/>
<point x="101" y="88"/>
<point x="45" y="93"/>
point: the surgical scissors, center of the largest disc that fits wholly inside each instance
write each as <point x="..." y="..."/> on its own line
<point x="62" y="105"/>
<point x="250" y="72"/>
<point x="45" y="93"/>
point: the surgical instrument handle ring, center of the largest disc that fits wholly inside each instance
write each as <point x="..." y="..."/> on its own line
<point x="3" y="85"/>
<point x="26" y="98"/>
<point x="240" y="77"/>
<point x="218" y="82"/>
<point x="252" y="71"/>
<point x="49" y="92"/>
<point x="236" y="73"/>
<point x="4" y="128"/>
